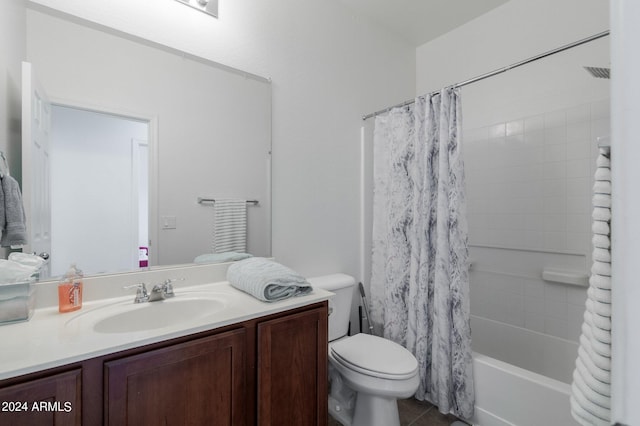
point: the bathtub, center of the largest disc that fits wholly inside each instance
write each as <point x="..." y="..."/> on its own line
<point x="507" y="394"/>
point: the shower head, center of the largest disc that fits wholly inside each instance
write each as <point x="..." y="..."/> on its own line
<point x="598" y="72"/>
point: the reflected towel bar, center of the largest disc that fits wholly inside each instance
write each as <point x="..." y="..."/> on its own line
<point x="213" y="200"/>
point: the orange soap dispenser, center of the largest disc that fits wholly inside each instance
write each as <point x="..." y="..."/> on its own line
<point x="70" y="290"/>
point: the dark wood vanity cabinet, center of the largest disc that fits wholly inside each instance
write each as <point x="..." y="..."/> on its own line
<point x="292" y="370"/>
<point x="50" y="400"/>
<point x="266" y="371"/>
<point x="200" y="382"/>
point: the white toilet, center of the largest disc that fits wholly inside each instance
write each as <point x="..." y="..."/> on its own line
<point x="366" y="373"/>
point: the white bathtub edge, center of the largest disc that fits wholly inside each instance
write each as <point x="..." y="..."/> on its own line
<point x="507" y="395"/>
<point x="484" y="418"/>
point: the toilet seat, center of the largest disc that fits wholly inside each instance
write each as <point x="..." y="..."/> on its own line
<point x="375" y="356"/>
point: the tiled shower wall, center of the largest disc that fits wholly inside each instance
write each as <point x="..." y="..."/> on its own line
<point x="529" y="207"/>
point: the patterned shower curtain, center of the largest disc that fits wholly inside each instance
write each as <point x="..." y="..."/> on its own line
<point x="420" y="281"/>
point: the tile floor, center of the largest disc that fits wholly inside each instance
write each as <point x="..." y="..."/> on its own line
<point x="416" y="413"/>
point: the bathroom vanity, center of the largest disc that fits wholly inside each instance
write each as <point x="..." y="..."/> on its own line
<point x="256" y="363"/>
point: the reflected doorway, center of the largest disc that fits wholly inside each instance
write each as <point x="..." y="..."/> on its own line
<point x="99" y="182"/>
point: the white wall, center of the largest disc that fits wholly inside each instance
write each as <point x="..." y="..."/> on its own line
<point x="625" y="158"/>
<point x="329" y="67"/>
<point x="12" y="52"/>
<point x="510" y="33"/>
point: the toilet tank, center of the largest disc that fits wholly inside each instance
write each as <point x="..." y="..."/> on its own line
<point x="342" y="286"/>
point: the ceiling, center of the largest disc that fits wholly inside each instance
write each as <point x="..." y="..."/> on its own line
<point x="419" y="21"/>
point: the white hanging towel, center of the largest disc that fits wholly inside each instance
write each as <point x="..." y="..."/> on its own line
<point x="591" y="388"/>
<point x="229" y="226"/>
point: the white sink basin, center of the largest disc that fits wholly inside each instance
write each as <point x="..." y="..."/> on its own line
<point x="129" y="317"/>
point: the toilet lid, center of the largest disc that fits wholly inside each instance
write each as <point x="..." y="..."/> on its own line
<point x="375" y="356"/>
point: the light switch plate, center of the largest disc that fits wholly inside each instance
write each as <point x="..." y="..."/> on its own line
<point x="168" y="222"/>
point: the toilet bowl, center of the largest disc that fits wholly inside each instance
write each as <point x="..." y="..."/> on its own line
<point x="379" y="371"/>
<point x="366" y="373"/>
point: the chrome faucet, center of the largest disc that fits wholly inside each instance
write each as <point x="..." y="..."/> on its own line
<point x="158" y="292"/>
<point x="164" y="290"/>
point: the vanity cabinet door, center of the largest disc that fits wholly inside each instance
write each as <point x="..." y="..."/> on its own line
<point x="200" y="382"/>
<point x="292" y="369"/>
<point x="53" y="400"/>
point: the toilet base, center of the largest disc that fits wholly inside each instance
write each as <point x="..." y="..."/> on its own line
<point x="373" y="410"/>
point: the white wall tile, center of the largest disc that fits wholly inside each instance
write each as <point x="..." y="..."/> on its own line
<point x="578" y="149"/>
<point x="532" y="190"/>
<point x="555" y="292"/>
<point x="555" y="135"/>
<point x="578" y="114"/>
<point x="556" y="327"/>
<point x="555" y="119"/>
<point x="533" y="321"/>
<point x="577" y="296"/>
<point x="577" y="168"/>
<point x="578" y="131"/>
<point x="557" y="152"/>
<point x="533" y="123"/>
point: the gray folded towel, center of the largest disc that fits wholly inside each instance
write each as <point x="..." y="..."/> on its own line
<point x="14" y="232"/>
<point x="267" y="280"/>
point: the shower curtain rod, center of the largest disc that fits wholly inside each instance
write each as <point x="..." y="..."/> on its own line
<point x="500" y="70"/>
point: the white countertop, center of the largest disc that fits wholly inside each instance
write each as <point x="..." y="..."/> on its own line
<point x="50" y="339"/>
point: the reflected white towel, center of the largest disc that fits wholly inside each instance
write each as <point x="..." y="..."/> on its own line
<point x="230" y="256"/>
<point x="229" y="226"/>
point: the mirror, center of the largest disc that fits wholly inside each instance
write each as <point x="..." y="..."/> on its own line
<point x="208" y="135"/>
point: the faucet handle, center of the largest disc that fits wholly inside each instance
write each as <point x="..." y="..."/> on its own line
<point x="168" y="286"/>
<point x="141" y="294"/>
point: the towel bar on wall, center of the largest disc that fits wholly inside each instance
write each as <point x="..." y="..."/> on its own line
<point x="213" y="200"/>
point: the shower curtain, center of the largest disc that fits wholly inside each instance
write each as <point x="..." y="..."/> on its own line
<point x="419" y="280"/>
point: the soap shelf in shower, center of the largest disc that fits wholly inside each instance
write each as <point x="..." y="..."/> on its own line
<point x="564" y="276"/>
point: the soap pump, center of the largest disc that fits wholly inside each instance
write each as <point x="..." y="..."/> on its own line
<point x="70" y="290"/>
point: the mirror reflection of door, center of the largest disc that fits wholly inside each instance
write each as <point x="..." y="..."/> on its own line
<point x="35" y="179"/>
<point x="98" y="160"/>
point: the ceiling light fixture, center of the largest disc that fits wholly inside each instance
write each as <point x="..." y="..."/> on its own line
<point x="209" y="7"/>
